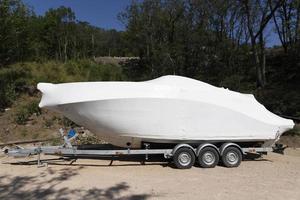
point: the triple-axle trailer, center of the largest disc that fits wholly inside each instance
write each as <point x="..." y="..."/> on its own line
<point x="184" y="156"/>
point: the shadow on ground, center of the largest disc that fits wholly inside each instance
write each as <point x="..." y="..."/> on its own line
<point x="42" y="187"/>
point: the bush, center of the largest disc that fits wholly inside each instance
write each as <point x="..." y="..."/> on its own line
<point x="22" y="116"/>
<point x="136" y="70"/>
<point x="33" y="107"/>
<point x="106" y="72"/>
<point x="26" y="111"/>
<point x="11" y="81"/>
<point x="7" y="96"/>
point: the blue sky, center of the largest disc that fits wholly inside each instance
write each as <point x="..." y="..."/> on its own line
<point x="103" y="13"/>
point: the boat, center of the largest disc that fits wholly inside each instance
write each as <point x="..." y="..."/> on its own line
<point x="168" y="109"/>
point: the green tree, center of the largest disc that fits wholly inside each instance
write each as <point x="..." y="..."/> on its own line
<point x="14" y="31"/>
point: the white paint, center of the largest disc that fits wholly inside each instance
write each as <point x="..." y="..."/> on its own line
<point x="166" y="109"/>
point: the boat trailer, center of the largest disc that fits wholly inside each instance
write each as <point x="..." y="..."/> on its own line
<point x="183" y="155"/>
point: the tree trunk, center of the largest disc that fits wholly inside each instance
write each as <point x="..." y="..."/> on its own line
<point x="259" y="62"/>
<point x="93" y="46"/>
<point x="59" y="50"/>
<point x="259" y="76"/>
<point x="262" y="60"/>
<point x="297" y="28"/>
<point x="65" y="50"/>
<point x="280" y="35"/>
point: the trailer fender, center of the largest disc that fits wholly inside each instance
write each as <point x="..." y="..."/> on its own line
<point x="225" y="145"/>
<point x="202" y="146"/>
<point x="178" y="146"/>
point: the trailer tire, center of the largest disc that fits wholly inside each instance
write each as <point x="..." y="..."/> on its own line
<point x="208" y="157"/>
<point x="232" y="157"/>
<point x="184" y="158"/>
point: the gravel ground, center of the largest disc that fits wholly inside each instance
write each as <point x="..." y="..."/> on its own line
<point x="273" y="177"/>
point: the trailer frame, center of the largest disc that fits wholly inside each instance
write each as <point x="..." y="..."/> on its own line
<point x="76" y="152"/>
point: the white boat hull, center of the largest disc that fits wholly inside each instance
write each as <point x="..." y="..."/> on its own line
<point x="121" y="121"/>
<point x="151" y="117"/>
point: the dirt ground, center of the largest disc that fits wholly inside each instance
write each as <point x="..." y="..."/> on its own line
<point x="273" y="177"/>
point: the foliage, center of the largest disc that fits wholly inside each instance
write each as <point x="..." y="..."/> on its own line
<point x="25" y="112"/>
<point x="219" y="42"/>
<point x="282" y="95"/>
<point x="17" y="78"/>
<point x="22" y="116"/>
<point x="57" y="35"/>
<point x="7" y="96"/>
<point x="11" y="81"/>
<point x="14" y="31"/>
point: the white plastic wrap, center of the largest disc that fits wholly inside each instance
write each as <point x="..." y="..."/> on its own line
<point x="166" y="109"/>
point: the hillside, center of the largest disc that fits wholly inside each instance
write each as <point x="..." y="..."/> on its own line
<point x="18" y="123"/>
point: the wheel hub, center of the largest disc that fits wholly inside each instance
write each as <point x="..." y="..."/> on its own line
<point x="184" y="159"/>
<point x="232" y="158"/>
<point x="208" y="158"/>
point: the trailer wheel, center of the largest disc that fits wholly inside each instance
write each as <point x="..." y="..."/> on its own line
<point x="232" y="157"/>
<point x="208" y="157"/>
<point x="184" y="158"/>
